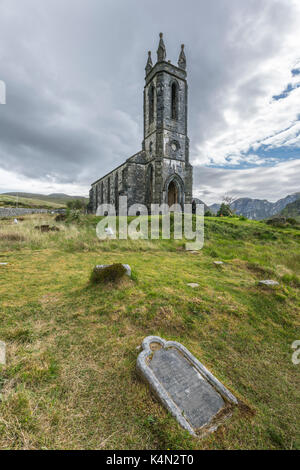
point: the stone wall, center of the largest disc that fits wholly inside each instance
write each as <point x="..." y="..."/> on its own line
<point x="16" y="212"/>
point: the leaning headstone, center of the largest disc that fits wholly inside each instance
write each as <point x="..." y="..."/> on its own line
<point x="268" y="283"/>
<point x="198" y="401"/>
<point x="193" y="285"/>
<point x="2" y="353"/>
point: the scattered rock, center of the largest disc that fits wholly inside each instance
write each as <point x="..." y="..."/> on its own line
<point x="218" y="263"/>
<point x="2" y="353"/>
<point x="198" y="401"/>
<point x="110" y="273"/>
<point x="46" y="228"/>
<point x="193" y="285"/>
<point x="3" y="264"/>
<point x="268" y="283"/>
<point x="60" y="218"/>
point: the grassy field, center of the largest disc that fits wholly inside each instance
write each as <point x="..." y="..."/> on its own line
<point x="25" y="202"/>
<point x="70" y="380"/>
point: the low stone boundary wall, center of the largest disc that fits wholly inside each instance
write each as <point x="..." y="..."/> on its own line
<point x="15" y="212"/>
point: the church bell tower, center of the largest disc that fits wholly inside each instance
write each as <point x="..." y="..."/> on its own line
<point x="169" y="174"/>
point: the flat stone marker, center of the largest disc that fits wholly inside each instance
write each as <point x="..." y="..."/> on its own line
<point x="268" y="283"/>
<point x="2" y="353"/>
<point x="193" y="285"/>
<point x="185" y="387"/>
<point x="218" y="263"/>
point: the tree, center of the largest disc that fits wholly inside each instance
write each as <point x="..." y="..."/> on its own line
<point x="76" y="204"/>
<point x="224" y="211"/>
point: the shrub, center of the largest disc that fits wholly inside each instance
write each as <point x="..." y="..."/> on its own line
<point x="208" y="214"/>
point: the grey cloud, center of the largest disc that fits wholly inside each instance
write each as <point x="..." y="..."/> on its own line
<point x="272" y="183"/>
<point x="74" y="72"/>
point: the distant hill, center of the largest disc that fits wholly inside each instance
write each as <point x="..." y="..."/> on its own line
<point x="258" y="209"/>
<point x="26" y="202"/>
<point x="292" y="210"/>
<point x="52" y="200"/>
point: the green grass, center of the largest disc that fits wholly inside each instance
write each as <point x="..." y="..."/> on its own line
<point x="25" y="202"/>
<point x="70" y="379"/>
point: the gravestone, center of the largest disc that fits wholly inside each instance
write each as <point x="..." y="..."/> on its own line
<point x="186" y="388"/>
<point x="268" y="283"/>
<point x="2" y="353"/>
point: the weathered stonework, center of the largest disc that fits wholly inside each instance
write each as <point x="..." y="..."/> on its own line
<point x="160" y="172"/>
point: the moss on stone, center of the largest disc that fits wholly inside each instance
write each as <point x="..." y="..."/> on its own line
<point x="107" y="274"/>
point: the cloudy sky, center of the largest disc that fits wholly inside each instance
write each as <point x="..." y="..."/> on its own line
<point x="74" y="72"/>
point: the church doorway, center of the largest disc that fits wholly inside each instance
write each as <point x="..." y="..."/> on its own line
<point x="172" y="194"/>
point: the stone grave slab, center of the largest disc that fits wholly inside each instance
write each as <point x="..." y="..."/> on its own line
<point x="2" y="353"/>
<point x="185" y="387"/>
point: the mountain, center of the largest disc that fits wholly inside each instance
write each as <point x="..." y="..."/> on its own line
<point x="258" y="209"/>
<point x="292" y="210"/>
<point x="198" y="201"/>
<point x="56" y="198"/>
<point x="214" y="208"/>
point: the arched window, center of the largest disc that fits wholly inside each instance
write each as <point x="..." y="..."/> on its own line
<point x="108" y="191"/>
<point x="97" y="202"/>
<point x="149" y="185"/>
<point x="101" y="193"/>
<point x="174" y="101"/>
<point x="151" y="104"/>
<point x="117" y="193"/>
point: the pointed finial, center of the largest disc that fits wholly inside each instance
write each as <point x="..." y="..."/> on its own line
<point x="149" y="64"/>
<point x="161" y="52"/>
<point x="182" y="58"/>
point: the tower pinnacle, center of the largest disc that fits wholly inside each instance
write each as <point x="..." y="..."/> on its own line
<point x="161" y="52"/>
<point x="182" y="58"/>
<point x="149" y="64"/>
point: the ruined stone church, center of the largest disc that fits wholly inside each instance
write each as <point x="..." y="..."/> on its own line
<point x="161" y="171"/>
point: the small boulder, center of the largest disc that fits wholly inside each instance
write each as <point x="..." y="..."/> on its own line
<point x="193" y="285"/>
<point x="110" y="273"/>
<point x="60" y="218"/>
<point x="268" y="283"/>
